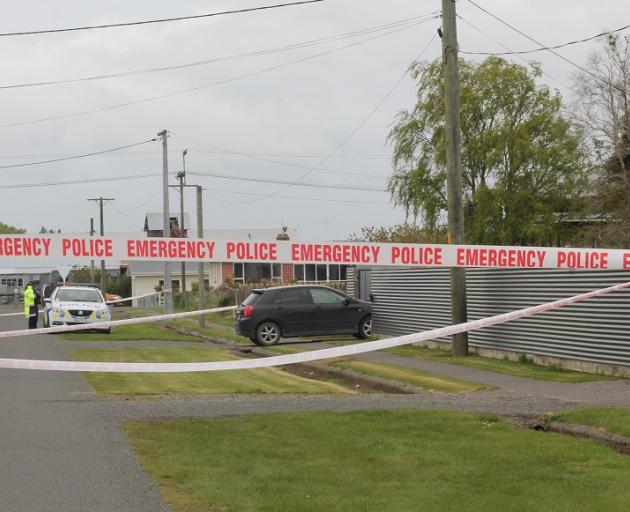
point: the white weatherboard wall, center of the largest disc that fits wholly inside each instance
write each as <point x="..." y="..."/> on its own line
<point x="596" y="331"/>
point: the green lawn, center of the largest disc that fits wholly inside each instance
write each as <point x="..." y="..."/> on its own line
<point x="612" y="419"/>
<point x="411" y="376"/>
<point x="147" y="331"/>
<point x="520" y="369"/>
<point x="386" y="461"/>
<point x="265" y="380"/>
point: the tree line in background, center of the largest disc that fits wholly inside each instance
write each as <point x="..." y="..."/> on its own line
<point x="534" y="171"/>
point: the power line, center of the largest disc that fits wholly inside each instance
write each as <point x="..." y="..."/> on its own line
<point x="284" y="182"/>
<point x="352" y="133"/>
<point x="298" y="198"/>
<point x="517" y="55"/>
<point x="344" y="156"/>
<point x="211" y="84"/>
<point x="542" y="46"/>
<point x="279" y="162"/>
<point x="294" y="46"/>
<point x="75" y="157"/>
<point x="210" y="175"/>
<point x="57" y="183"/>
<point x="555" y="47"/>
<point x="159" y="20"/>
<point x="134" y="224"/>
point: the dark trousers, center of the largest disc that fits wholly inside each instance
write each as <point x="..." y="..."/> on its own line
<point x="32" y="317"/>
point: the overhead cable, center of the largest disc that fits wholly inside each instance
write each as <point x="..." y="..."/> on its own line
<point x="297" y="198"/>
<point x="347" y="139"/>
<point x="159" y="20"/>
<point x="542" y="46"/>
<point x="291" y="47"/>
<point x="284" y="182"/>
<point x="278" y="162"/>
<point x="75" y="157"/>
<point x="517" y="55"/>
<point x="207" y="85"/>
<point x="57" y="183"/>
<point x="554" y="47"/>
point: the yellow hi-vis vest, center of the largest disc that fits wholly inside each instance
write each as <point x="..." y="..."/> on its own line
<point x="29" y="300"/>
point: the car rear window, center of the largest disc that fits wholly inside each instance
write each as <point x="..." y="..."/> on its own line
<point x="252" y="298"/>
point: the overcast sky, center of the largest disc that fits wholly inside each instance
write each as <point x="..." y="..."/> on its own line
<point x="296" y="114"/>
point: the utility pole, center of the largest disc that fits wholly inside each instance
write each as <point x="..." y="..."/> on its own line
<point x="92" y="261"/>
<point x="454" y="169"/>
<point x="202" y="277"/>
<point x="100" y="203"/>
<point x="181" y="176"/>
<point x="168" y="292"/>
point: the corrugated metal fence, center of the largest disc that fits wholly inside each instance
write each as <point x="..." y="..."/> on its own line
<point x="413" y="300"/>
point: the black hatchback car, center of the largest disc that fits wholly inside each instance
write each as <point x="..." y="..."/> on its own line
<point x="273" y="313"/>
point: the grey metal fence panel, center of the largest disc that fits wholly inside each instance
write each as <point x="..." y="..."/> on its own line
<point x="350" y="282"/>
<point x="413" y="300"/>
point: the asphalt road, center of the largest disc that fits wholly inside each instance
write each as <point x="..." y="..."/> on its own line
<point x="56" y="453"/>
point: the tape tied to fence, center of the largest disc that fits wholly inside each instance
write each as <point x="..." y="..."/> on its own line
<point x="302" y="357"/>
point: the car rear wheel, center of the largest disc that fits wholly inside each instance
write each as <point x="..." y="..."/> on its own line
<point x="268" y="333"/>
<point x="365" y="328"/>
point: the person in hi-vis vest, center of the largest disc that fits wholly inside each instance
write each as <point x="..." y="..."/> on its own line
<point x="30" y="305"/>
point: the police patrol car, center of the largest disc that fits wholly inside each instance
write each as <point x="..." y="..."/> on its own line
<point x="74" y="304"/>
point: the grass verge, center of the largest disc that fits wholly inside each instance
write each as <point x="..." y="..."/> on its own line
<point x="214" y="331"/>
<point x="612" y="419"/>
<point x="389" y="461"/>
<point x="517" y="368"/>
<point x="135" y="332"/>
<point x="411" y="376"/>
<point x="265" y="380"/>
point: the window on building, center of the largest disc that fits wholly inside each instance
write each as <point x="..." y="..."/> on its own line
<point x="310" y="273"/>
<point x="12" y="282"/>
<point x="257" y="272"/>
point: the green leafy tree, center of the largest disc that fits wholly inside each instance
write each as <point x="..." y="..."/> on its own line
<point x="5" y="229"/>
<point x="400" y="233"/>
<point x="120" y="285"/>
<point x="523" y="162"/>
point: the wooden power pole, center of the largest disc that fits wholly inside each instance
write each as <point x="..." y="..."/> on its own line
<point x="454" y="168"/>
<point x="100" y="200"/>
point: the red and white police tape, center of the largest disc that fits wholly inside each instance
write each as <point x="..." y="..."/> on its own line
<point x="126" y="299"/>
<point x="112" y="323"/>
<point x="359" y="348"/>
<point x="118" y="248"/>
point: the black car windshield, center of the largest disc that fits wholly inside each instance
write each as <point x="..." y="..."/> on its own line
<point x="75" y="295"/>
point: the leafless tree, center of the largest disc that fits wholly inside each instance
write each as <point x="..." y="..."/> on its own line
<point x="603" y="107"/>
